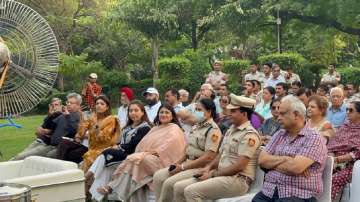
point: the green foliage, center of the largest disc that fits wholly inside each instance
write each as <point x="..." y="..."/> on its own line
<point x="293" y="60"/>
<point x="111" y="82"/>
<point x="310" y="74"/>
<point x="173" y="73"/>
<point x="43" y="106"/>
<point x="200" y="67"/>
<point x="174" y="68"/>
<point x="236" y="70"/>
<point x="140" y="86"/>
<point x="350" y="75"/>
<point x="76" y="69"/>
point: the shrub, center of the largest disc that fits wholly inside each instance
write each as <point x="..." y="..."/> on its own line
<point x="310" y="74"/>
<point x="200" y="67"/>
<point x="43" y="106"/>
<point x="111" y="81"/>
<point x="294" y="60"/>
<point x="350" y="75"/>
<point x="76" y="69"/>
<point x="174" y="68"/>
<point x="236" y="70"/>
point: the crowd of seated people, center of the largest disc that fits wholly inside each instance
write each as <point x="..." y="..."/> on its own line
<point x="209" y="148"/>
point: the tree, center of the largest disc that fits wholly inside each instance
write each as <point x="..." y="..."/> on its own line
<point x="154" y="18"/>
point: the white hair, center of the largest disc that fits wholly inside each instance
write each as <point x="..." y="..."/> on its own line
<point x="76" y="96"/>
<point x="4" y="53"/>
<point x="185" y="92"/>
<point x="338" y="89"/>
<point x="207" y="86"/>
<point x="295" y="104"/>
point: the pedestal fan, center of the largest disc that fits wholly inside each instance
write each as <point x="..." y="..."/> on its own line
<point x="30" y="70"/>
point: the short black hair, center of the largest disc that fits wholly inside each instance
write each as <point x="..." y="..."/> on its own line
<point x="248" y="111"/>
<point x="333" y="64"/>
<point x="283" y="85"/>
<point x="301" y="91"/>
<point x="269" y="64"/>
<point x="324" y="87"/>
<point x="174" y="92"/>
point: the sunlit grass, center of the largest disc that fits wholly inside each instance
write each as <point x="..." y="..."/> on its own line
<point x="14" y="140"/>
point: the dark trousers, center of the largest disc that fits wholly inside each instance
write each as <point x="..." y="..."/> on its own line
<point x="71" y="151"/>
<point x="260" y="197"/>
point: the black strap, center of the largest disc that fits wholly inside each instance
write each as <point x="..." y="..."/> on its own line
<point x="207" y="132"/>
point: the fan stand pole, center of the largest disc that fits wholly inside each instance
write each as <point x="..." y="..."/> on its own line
<point x="3" y="75"/>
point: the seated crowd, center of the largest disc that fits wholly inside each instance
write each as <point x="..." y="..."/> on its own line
<point x="209" y="148"/>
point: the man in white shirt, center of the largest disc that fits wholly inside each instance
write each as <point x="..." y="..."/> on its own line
<point x="254" y="74"/>
<point x="126" y="95"/>
<point x="172" y="97"/>
<point x="276" y="76"/>
<point x="153" y="103"/>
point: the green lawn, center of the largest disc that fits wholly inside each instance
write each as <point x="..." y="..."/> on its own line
<point x="14" y="140"/>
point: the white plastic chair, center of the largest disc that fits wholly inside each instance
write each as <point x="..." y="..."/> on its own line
<point x="355" y="183"/>
<point x="327" y="180"/>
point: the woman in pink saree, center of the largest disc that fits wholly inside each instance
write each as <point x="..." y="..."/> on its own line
<point x="162" y="146"/>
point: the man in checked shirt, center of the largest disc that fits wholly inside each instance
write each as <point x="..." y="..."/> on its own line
<point x="294" y="158"/>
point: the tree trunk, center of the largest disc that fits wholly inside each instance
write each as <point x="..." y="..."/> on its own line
<point x="194" y="41"/>
<point x="60" y="82"/>
<point x="154" y="59"/>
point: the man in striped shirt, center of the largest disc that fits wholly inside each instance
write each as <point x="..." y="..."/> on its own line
<point x="294" y="158"/>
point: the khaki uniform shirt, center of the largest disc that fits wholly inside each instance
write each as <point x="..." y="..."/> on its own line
<point x="198" y="144"/>
<point x="259" y="76"/>
<point x="331" y="78"/>
<point x="293" y="77"/>
<point x="241" y="141"/>
<point x="216" y="78"/>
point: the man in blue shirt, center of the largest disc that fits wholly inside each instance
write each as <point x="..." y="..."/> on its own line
<point x="336" y="112"/>
<point x="276" y="76"/>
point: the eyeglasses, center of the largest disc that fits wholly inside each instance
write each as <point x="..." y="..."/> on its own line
<point x="349" y="110"/>
<point x="275" y="107"/>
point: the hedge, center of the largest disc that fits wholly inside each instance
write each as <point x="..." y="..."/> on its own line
<point x="294" y="60"/>
<point x="236" y="70"/>
<point x="350" y="75"/>
<point x="174" y="68"/>
<point x="200" y="68"/>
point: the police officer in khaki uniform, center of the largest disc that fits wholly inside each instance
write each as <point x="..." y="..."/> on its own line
<point x="233" y="170"/>
<point x="203" y="144"/>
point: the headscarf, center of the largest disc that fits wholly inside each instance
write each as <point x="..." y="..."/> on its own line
<point x="128" y="91"/>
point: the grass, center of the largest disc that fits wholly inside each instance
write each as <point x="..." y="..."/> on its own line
<point x="14" y="140"/>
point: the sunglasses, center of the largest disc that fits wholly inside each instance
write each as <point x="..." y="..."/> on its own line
<point x="274" y="107"/>
<point x="349" y="110"/>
